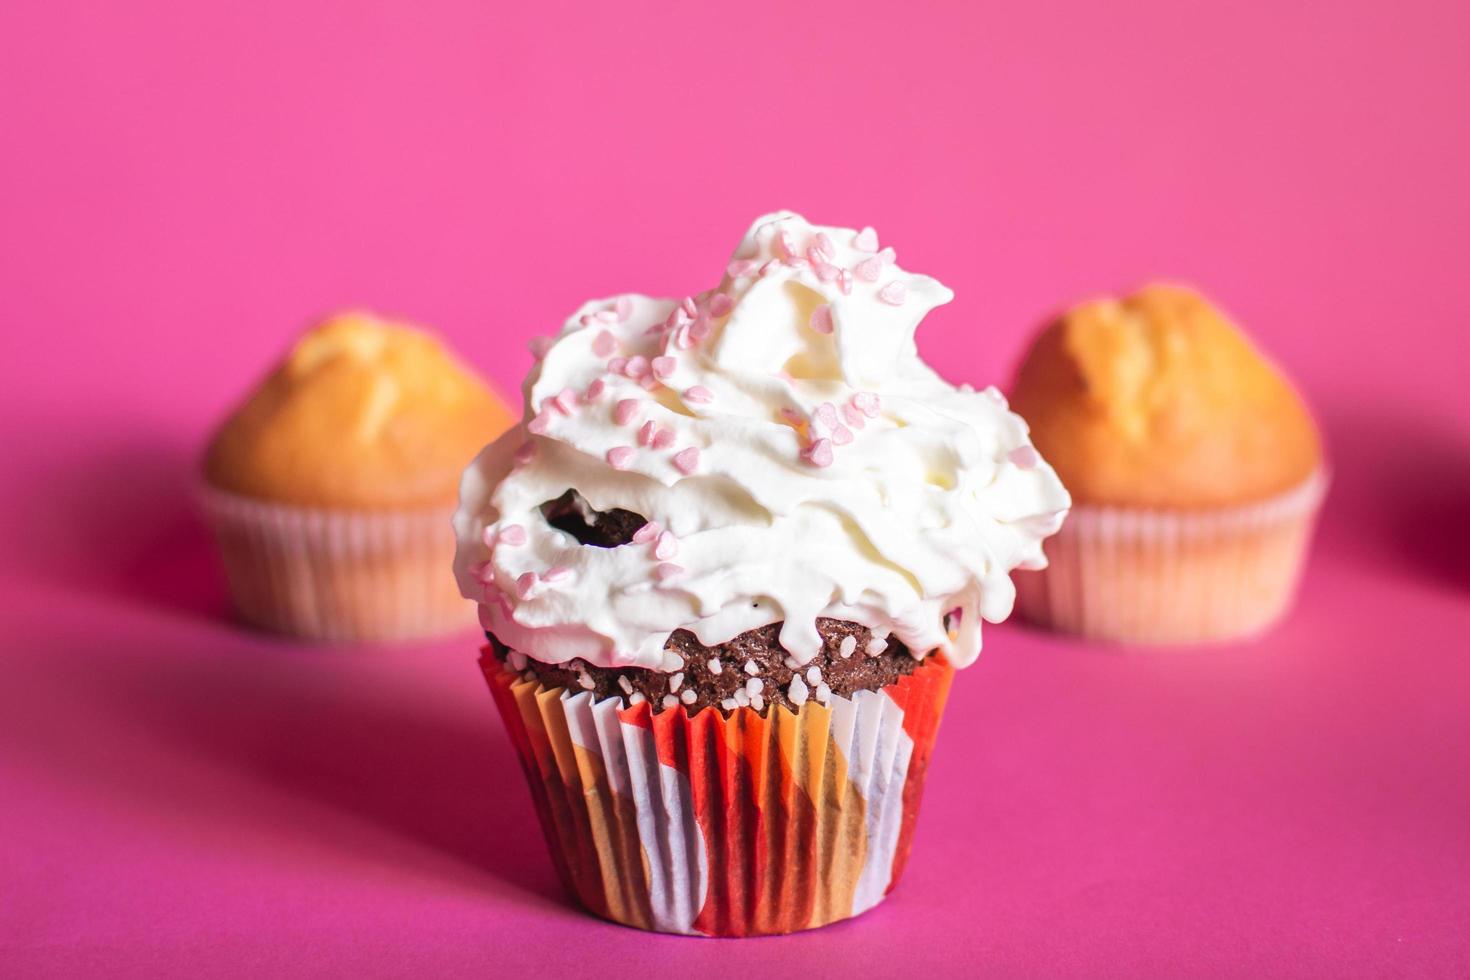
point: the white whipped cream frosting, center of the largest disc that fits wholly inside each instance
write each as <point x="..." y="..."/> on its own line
<point x="795" y="458"/>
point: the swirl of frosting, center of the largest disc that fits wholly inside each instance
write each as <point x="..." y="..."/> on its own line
<point x="790" y="453"/>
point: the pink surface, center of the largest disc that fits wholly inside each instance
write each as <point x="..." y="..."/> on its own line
<point x="183" y="185"/>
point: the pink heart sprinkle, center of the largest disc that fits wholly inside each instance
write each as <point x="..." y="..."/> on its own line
<point x="822" y="319"/>
<point x="647" y="532"/>
<point x="686" y="461"/>
<point x="663" y="439"/>
<point x="595" y="390"/>
<point x="525" y="584"/>
<point x="623" y="307"/>
<point x="513" y="535"/>
<point x="540" y="346"/>
<point x="682" y="339"/>
<point x="699" y="329"/>
<point x="648" y="382"/>
<point x="637" y="366"/>
<point x="867" y="403"/>
<point x="787" y="243"/>
<point x="557" y="573"/>
<point x="866" y="240"/>
<point x="625" y="410"/>
<point x="525" y="453"/>
<point x="869" y="269"/>
<point x="619" y="457"/>
<point x="827" y="412"/>
<point x="820" y="453"/>
<point x="825" y="271"/>
<point x="720" y="304"/>
<point x="699" y="395"/>
<point x="604" y="343"/>
<point x="740" y="267"/>
<point x="844" y="282"/>
<point x="1025" y="457"/>
<point x="667" y="570"/>
<point x="538" y="425"/>
<point x="564" y="401"/>
<point x="894" y="293"/>
<point x="663" y="367"/>
<point x="617" y="365"/>
<point x="646" y="433"/>
<point x="667" y="546"/>
<point x="841" y="434"/>
<point x="586" y="319"/>
<point x="853" y="416"/>
<point x="607" y="316"/>
<point x="823" y="244"/>
<point x="688" y="306"/>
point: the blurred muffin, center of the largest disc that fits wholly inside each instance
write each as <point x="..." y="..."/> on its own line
<point x="332" y="487"/>
<point x="1195" y="469"/>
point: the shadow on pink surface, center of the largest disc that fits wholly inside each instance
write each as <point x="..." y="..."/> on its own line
<point x="1401" y="494"/>
<point x="348" y="754"/>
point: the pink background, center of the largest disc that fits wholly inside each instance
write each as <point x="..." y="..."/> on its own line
<point x="183" y="185"/>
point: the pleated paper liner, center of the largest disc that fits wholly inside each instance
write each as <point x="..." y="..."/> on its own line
<point x="726" y="826"/>
<point x="1174" y="577"/>
<point x="339" y="574"/>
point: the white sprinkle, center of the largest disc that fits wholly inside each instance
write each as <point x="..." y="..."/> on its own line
<point x="796" y="693"/>
<point x="517" y="661"/>
<point x="636" y="698"/>
<point x="676" y="682"/>
<point x="670" y="701"/>
<point x="813" y="675"/>
<point x="751" y="668"/>
<point x="587" y="682"/>
<point x="742" y="699"/>
<point x="758" y="703"/>
<point x="876" y="646"/>
<point x="672" y="662"/>
<point x="754" y="686"/>
<point x="824" y="693"/>
<point x="729" y="704"/>
<point x="688" y="697"/>
<point x="714" y="665"/>
<point x="792" y="663"/>
<point x="847" y="646"/>
<point x="623" y="683"/>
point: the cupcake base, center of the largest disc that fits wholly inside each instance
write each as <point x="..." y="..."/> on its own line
<point x="722" y="824"/>
<point x="1173" y="577"/>
<point x="339" y="575"/>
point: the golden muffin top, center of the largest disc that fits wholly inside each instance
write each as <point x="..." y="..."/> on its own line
<point x="1158" y="400"/>
<point x="363" y="413"/>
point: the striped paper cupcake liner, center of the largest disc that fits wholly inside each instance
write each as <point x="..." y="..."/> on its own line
<point x="338" y="574"/>
<point x="1174" y="577"/>
<point x="717" y="825"/>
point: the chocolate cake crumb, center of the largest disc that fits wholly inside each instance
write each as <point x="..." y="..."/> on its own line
<point x="602" y="529"/>
<point x="751" y="670"/>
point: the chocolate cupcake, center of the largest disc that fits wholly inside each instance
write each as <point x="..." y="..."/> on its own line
<point x="727" y="568"/>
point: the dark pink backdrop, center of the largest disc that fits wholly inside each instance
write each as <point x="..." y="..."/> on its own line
<point x="183" y="185"/>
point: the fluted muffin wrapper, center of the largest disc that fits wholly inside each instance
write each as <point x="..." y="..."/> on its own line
<point x="726" y="825"/>
<point x="341" y="575"/>
<point x="1174" y="577"/>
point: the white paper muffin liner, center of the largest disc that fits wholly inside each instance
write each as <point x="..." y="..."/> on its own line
<point x="1174" y="577"/>
<point x="339" y="575"/>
